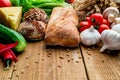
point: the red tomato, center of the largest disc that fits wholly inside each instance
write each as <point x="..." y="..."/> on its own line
<point x="70" y="1"/>
<point x="87" y="18"/>
<point x="96" y="18"/>
<point x="5" y="3"/>
<point x="106" y="22"/>
<point x="102" y="27"/>
<point x="84" y="25"/>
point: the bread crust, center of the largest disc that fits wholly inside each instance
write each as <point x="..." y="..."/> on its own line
<point x="62" y="28"/>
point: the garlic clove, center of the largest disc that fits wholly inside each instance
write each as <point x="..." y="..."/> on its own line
<point x="104" y="47"/>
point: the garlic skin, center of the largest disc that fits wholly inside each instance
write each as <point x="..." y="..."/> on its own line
<point x="116" y="28"/>
<point x="90" y="36"/>
<point x="111" y="40"/>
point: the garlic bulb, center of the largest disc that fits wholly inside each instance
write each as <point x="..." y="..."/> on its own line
<point x="90" y="36"/>
<point x="111" y="40"/>
<point x="116" y="27"/>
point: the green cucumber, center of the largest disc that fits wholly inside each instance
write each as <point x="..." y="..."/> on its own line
<point x="12" y="36"/>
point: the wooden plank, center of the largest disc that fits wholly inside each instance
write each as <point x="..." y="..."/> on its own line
<point x="5" y="75"/>
<point x="39" y="62"/>
<point x="101" y="66"/>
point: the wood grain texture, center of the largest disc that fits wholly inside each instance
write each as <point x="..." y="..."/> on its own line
<point x="40" y="62"/>
<point x="5" y="75"/>
<point x="101" y="66"/>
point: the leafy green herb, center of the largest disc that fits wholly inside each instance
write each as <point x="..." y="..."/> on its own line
<point x="46" y="5"/>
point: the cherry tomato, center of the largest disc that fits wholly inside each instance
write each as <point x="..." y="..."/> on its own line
<point x="70" y="1"/>
<point x="102" y="27"/>
<point x="84" y="25"/>
<point x="87" y="18"/>
<point x="106" y="22"/>
<point x="5" y="3"/>
<point x="96" y="18"/>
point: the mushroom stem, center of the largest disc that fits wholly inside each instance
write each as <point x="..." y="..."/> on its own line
<point x="117" y="20"/>
<point x="111" y="18"/>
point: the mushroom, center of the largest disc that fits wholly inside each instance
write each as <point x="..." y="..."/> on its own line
<point x="116" y="21"/>
<point x="110" y="13"/>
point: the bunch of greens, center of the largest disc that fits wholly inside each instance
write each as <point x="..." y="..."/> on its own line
<point x="46" y="5"/>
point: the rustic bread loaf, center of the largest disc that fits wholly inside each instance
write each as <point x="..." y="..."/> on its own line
<point x="62" y="28"/>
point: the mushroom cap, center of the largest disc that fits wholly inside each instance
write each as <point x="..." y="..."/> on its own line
<point x="110" y="10"/>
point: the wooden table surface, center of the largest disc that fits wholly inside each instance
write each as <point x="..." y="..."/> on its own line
<point x="40" y="62"/>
